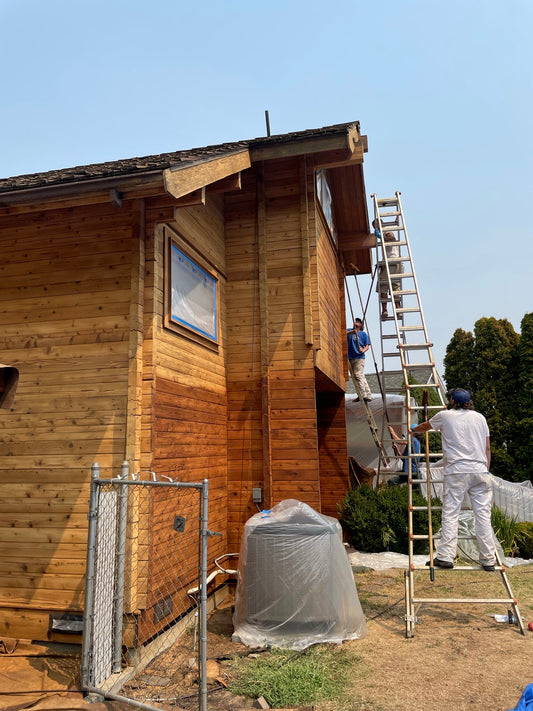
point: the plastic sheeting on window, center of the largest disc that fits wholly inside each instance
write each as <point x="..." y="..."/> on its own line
<point x="295" y="587"/>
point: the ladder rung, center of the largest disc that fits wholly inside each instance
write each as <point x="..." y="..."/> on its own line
<point x="414" y="346"/>
<point x="467" y="600"/>
<point x="425" y="508"/>
<point x="387" y="202"/>
<point x="422" y="386"/>
<point x="389" y="214"/>
<point x="429" y="407"/>
<point x="409" y="366"/>
<point x="408" y="309"/>
<point x="405" y="292"/>
<point x="411" y="328"/>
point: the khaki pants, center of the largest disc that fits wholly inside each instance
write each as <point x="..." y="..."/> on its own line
<point x="358" y="370"/>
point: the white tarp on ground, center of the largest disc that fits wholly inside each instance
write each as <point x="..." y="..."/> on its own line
<point x="387" y="559"/>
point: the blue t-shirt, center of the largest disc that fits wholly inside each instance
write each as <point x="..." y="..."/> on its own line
<point x="353" y="351"/>
<point x="415" y="449"/>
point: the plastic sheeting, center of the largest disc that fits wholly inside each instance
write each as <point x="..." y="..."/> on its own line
<point x="361" y="445"/>
<point x="295" y="586"/>
<point x="515" y="499"/>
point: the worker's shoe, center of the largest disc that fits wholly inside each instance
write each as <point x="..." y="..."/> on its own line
<point x="440" y="563"/>
<point x="367" y="399"/>
<point x="488" y="568"/>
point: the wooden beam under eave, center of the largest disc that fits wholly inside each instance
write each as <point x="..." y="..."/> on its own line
<point x="182" y="181"/>
<point x="226" y="185"/>
<point x="346" y="140"/>
<point x="197" y="197"/>
<point x="338" y="159"/>
<point x="356" y="240"/>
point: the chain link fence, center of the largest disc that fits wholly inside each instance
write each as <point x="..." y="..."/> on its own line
<point x="145" y="600"/>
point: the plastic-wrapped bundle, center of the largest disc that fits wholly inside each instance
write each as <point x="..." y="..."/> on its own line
<point x="295" y="586"/>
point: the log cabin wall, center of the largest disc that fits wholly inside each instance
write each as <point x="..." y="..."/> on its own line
<point x="284" y="302"/>
<point x="329" y="320"/>
<point x="65" y="311"/>
<point x="189" y="405"/>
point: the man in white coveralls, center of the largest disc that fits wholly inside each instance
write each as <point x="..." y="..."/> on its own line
<point x="466" y="458"/>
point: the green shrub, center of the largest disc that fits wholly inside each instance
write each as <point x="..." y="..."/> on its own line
<point x="524" y="539"/>
<point x="505" y="529"/>
<point x="375" y="520"/>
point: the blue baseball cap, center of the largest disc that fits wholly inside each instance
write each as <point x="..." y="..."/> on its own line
<point x="460" y="396"/>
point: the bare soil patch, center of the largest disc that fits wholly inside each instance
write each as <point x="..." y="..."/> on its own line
<point x="459" y="659"/>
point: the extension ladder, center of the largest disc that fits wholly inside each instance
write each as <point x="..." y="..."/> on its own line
<point x="408" y="366"/>
<point x="383" y="456"/>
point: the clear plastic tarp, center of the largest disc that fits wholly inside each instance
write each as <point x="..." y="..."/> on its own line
<point x="295" y="586"/>
<point x="360" y="442"/>
<point x="513" y="498"/>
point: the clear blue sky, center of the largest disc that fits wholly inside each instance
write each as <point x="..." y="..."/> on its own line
<point x="443" y="91"/>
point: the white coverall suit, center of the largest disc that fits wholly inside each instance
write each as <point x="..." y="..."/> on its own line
<point x="464" y="445"/>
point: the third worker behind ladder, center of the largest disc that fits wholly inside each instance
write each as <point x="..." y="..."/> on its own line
<point x="358" y="344"/>
<point x="466" y="454"/>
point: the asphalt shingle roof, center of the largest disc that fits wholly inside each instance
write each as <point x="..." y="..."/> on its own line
<point x="161" y="161"/>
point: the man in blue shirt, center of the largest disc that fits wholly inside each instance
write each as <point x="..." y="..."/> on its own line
<point x="399" y="445"/>
<point x="358" y="344"/>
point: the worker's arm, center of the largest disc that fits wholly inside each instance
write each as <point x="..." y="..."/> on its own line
<point x="422" y="427"/>
<point x="487" y="450"/>
<point x="395" y="436"/>
<point x="364" y="350"/>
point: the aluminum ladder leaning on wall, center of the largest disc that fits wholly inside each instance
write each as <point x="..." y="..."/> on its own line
<point x="383" y="456"/>
<point x="405" y="344"/>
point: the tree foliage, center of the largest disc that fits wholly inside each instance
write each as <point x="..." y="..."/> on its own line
<point x="496" y="365"/>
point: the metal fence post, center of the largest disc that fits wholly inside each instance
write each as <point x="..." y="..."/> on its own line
<point x="88" y="610"/>
<point x="120" y="562"/>
<point x="202" y="662"/>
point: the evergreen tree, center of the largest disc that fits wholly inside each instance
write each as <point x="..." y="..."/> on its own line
<point x="524" y="426"/>
<point x="496" y="389"/>
<point x="459" y="361"/>
<point x="496" y="365"/>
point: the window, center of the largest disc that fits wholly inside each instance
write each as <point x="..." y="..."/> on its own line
<point x="192" y="293"/>
<point x="324" y="198"/>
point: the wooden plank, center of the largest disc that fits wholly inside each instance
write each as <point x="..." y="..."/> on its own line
<point x="304" y="234"/>
<point x="300" y="146"/>
<point x="136" y="320"/>
<point x="185" y="180"/>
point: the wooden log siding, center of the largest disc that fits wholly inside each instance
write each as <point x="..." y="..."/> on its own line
<point x="270" y="369"/>
<point x="330" y="307"/>
<point x="333" y="451"/>
<point x="188" y="387"/>
<point x="65" y="285"/>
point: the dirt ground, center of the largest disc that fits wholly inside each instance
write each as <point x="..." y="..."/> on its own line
<point x="459" y="659"/>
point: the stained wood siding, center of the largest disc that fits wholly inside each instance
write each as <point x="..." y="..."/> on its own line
<point x="270" y="372"/>
<point x="65" y="285"/>
<point x="330" y="306"/>
<point x="189" y="406"/>
<point x="332" y="448"/>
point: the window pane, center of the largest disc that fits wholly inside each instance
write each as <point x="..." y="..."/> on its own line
<point x="194" y="295"/>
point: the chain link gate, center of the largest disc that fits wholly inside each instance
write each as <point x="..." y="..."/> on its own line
<point x="147" y="546"/>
